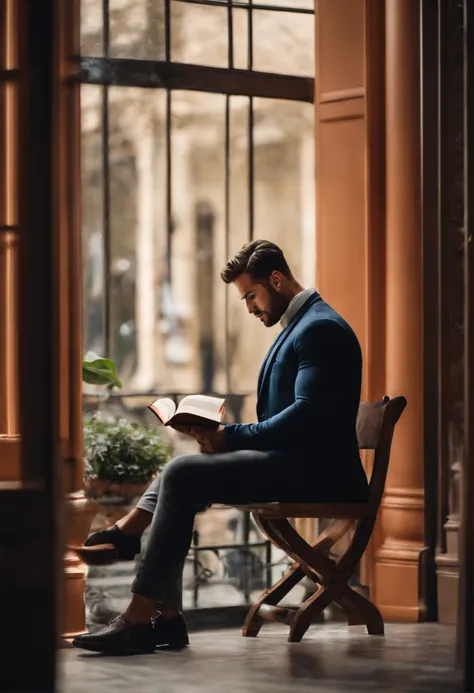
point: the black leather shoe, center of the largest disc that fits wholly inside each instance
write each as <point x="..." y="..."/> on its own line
<point x="108" y="546"/>
<point x="119" y="637"/>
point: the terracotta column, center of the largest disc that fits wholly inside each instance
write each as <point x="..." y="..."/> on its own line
<point x="397" y="561"/>
<point x="9" y="407"/>
<point x="67" y="205"/>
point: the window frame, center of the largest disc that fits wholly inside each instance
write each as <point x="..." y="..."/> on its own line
<point x="107" y="71"/>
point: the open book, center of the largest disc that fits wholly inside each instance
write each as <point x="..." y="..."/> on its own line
<point x="193" y="410"/>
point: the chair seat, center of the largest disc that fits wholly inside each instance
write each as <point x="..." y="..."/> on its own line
<point x="322" y="510"/>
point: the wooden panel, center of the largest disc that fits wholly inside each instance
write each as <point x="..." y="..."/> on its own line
<point x="340" y="47"/>
<point x="431" y="288"/>
<point x="341" y="95"/>
<point x="341" y="219"/>
<point x="465" y="631"/>
<point x="444" y="258"/>
<point x="349" y="172"/>
<point x="9" y="237"/>
<point x="10" y="458"/>
<point x="350" y="181"/>
<point x="376" y="193"/>
<point x="341" y="108"/>
<point x="28" y="518"/>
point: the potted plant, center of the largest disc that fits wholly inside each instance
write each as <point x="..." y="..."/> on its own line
<point x="121" y="457"/>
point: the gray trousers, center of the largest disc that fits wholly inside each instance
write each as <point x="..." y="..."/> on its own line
<point x="190" y="484"/>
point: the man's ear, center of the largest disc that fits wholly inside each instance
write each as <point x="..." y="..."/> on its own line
<point x="275" y="280"/>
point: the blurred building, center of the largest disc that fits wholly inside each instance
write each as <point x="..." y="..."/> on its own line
<point x="230" y="167"/>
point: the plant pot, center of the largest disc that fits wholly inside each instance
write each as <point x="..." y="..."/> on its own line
<point x="114" y="499"/>
<point x="99" y="488"/>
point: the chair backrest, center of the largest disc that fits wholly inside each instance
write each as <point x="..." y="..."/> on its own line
<point x="375" y="426"/>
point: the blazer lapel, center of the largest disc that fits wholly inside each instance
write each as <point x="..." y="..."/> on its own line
<point x="271" y="355"/>
<point x="265" y="361"/>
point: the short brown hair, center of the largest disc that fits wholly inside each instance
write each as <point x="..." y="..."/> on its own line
<point x="257" y="259"/>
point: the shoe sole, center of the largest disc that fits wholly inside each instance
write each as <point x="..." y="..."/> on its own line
<point x="136" y="649"/>
<point x="100" y="554"/>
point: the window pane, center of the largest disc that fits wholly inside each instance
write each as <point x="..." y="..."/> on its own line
<point x="284" y="180"/>
<point x="92" y="221"/>
<point x="91" y="28"/>
<point x="195" y="341"/>
<point x="199" y="34"/>
<point x="284" y="213"/>
<point x="283" y="43"/>
<point x="137" y="170"/>
<point x="240" y="19"/>
<point x="239" y="171"/>
<point x="137" y="29"/>
<point x="241" y="376"/>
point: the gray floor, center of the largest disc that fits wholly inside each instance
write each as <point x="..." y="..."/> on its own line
<point x="414" y="657"/>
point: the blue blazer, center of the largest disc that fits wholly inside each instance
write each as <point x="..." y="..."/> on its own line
<point x="308" y="395"/>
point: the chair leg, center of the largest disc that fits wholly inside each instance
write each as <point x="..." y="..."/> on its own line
<point x="253" y="622"/>
<point x="307" y="613"/>
<point x="360" y="611"/>
<point x="271" y="596"/>
<point x="353" y="615"/>
<point x="331" y="576"/>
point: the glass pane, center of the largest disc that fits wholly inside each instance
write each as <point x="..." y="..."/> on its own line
<point x="91" y="28"/>
<point x="242" y="368"/>
<point x="241" y="38"/>
<point x="284" y="180"/>
<point x="199" y="34"/>
<point x="195" y="350"/>
<point x="283" y="43"/>
<point x="137" y="29"/>
<point x="284" y="213"/>
<point x="92" y="221"/>
<point x="137" y="171"/>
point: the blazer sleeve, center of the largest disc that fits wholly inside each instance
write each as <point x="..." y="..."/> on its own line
<point x="315" y="349"/>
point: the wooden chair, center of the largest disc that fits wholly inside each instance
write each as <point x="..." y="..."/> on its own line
<point x="375" y="426"/>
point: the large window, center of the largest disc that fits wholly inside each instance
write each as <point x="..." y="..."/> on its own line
<point x="197" y="136"/>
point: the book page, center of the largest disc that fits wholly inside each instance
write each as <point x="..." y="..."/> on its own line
<point x="164" y="409"/>
<point x="203" y="406"/>
<point x="194" y="420"/>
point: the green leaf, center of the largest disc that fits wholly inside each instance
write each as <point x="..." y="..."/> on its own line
<point x="98" y="371"/>
<point x="119" y="450"/>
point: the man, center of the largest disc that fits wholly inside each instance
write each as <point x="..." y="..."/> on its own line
<point x="303" y="449"/>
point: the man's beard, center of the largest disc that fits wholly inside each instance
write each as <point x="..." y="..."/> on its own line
<point x="278" y="305"/>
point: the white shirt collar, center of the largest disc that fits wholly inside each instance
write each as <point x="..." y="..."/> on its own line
<point x="296" y="303"/>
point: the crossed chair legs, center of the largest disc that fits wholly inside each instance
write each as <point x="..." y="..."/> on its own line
<point x="331" y="577"/>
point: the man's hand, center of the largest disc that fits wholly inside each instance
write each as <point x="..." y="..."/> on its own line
<point x="210" y="440"/>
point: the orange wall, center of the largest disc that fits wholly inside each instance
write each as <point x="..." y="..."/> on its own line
<point x="350" y="172"/>
<point x="350" y="181"/>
